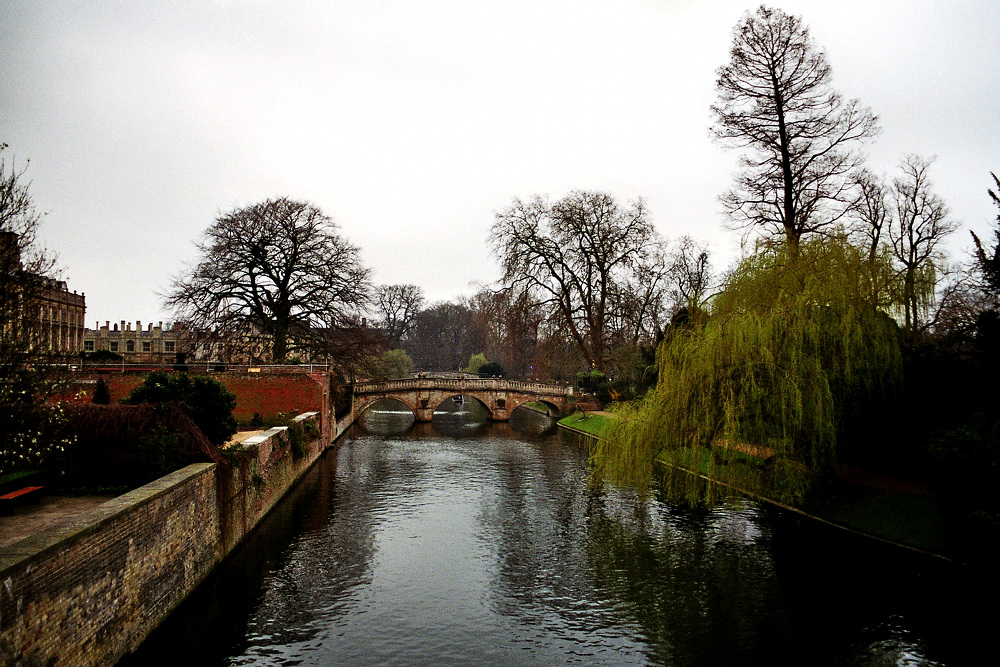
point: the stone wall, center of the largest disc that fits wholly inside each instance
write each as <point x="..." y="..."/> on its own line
<point x="90" y="591"/>
<point x="87" y="592"/>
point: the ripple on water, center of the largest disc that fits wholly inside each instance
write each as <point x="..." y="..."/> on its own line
<point x="427" y="547"/>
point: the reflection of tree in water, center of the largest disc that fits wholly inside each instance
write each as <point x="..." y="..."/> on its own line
<point x="742" y="584"/>
<point x="699" y="584"/>
<point x="536" y="522"/>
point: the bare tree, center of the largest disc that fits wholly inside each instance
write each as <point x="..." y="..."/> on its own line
<point x="444" y="336"/>
<point x="641" y="310"/>
<point x="870" y="209"/>
<point x="29" y="429"/>
<point x="801" y="137"/>
<point x="276" y="274"/>
<point x="397" y="308"/>
<point x="23" y="269"/>
<point x="919" y="223"/>
<point x="508" y="321"/>
<point x="690" y="274"/>
<point x="575" y="255"/>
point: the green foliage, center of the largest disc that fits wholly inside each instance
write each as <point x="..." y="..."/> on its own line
<point x="100" y="355"/>
<point x="767" y="374"/>
<point x="397" y="363"/>
<point x="31" y="434"/>
<point x="206" y="401"/>
<point x="297" y="440"/>
<point x="476" y="361"/>
<point x="125" y="446"/>
<point x="492" y="369"/>
<point x="310" y="429"/>
<point x="966" y="475"/>
<point x="590" y="382"/>
<point x="158" y="453"/>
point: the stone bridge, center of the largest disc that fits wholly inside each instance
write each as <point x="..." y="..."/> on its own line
<point x="423" y="395"/>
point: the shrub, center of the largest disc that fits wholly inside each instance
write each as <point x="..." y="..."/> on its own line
<point x="297" y="441"/>
<point x="124" y="446"/>
<point x="492" y="369"/>
<point x="205" y="400"/>
<point x="102" y="395"/>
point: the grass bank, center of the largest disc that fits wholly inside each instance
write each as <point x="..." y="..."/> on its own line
<point x="591" y="423"/>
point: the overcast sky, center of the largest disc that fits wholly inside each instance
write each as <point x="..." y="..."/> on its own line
<point x="412" y="123"/>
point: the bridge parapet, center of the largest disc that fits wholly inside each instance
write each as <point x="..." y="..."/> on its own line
<point x="487" y="384"/>
<point x="423" y="395"/>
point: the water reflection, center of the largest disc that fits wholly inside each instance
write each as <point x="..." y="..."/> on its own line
<point x="461" y="417"/>
<point x="387" y="416"/>
<point x="420" y="546"/>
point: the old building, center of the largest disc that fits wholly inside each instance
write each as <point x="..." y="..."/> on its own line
<point x="39" y="314"/>
<point x="61" y="314"/>
<point x="152" y="345"/>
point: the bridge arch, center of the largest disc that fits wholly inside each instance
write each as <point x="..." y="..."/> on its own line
<point x="482" y="400"/>
<point x="363" y="407"/>
<point x="521" y="401"/>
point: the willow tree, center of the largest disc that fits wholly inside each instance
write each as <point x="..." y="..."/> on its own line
<point x="753" y="395"/>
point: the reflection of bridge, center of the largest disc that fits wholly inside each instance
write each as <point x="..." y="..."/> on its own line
<point x="424" y="395"/>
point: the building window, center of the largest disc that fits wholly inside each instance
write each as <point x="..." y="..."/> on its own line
<point x="130" y="346"/>
<point x="146" y="346"/>
<point x="88" y="346"/>
<point x="168" y="346"/>
<point x="113" y="346"/>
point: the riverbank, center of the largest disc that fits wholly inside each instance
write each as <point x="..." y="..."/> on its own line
<point x="129" y="561"/>
<point x="877" y="506"/>
<point x="588" y="423"/>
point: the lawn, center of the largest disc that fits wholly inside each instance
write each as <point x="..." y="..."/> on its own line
<point x="591" y="423"/>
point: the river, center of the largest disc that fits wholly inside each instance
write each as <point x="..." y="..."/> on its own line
<point x="463" y="542"/>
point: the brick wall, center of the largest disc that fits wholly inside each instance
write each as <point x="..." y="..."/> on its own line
<point x="267" y="394"/>
<point x="90" y="591"/>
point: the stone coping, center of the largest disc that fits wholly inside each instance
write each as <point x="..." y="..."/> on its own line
<point x="15" y="556"/>
<point x="264" y="436"/>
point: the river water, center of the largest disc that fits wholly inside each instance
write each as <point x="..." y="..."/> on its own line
<point x="466" y="543"/>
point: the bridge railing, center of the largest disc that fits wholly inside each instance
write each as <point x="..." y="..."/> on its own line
<point x="491" y="384"/>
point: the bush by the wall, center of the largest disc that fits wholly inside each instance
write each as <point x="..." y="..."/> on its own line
<point x="124" y="446"/>
<point x="207" y="401"/>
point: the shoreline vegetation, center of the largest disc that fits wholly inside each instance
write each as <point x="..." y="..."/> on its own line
<point x="887" y="509"/>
